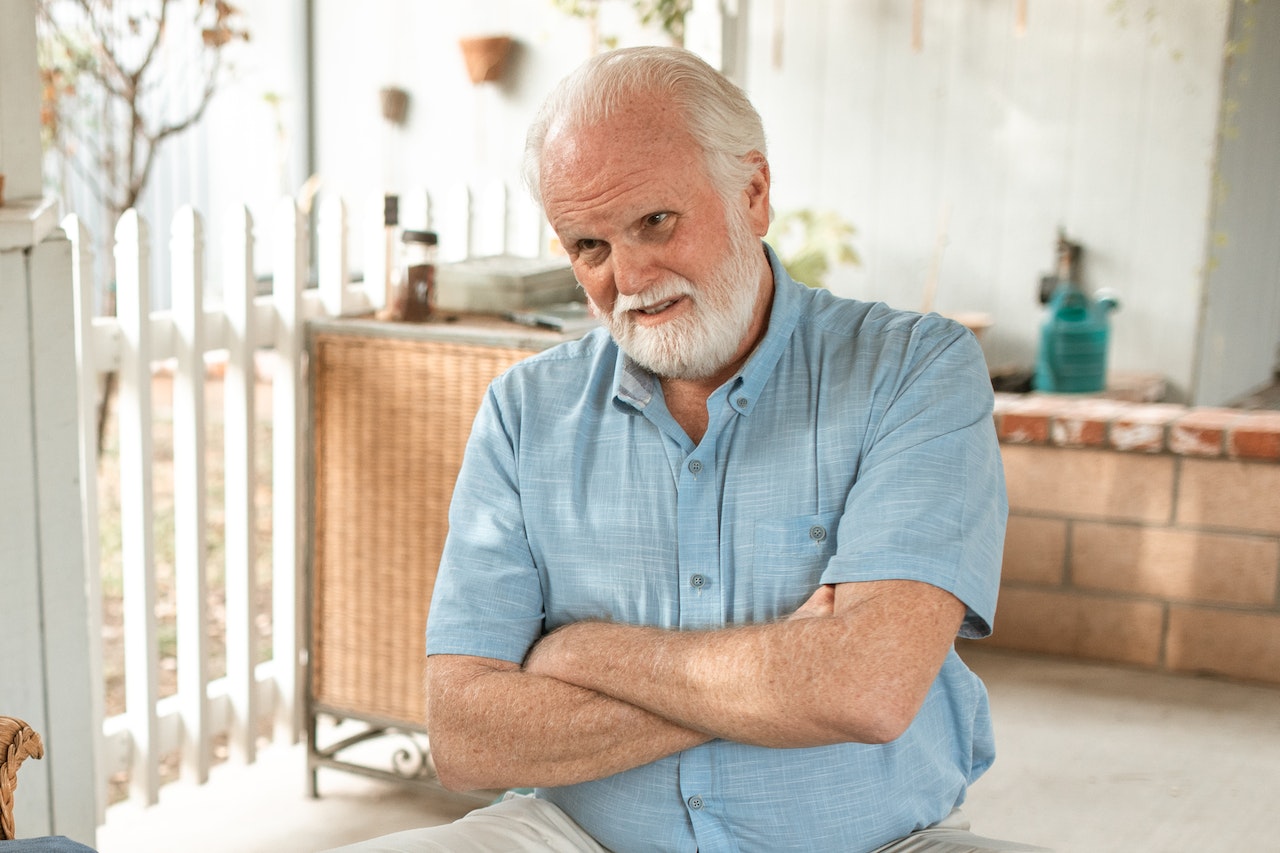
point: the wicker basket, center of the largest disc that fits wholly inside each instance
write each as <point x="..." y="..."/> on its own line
<point x="390" y="422"/>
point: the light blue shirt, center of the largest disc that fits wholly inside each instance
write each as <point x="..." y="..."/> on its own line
<point x="856" y="444"/>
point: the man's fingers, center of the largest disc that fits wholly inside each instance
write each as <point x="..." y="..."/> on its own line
<point x="821" y="603"/>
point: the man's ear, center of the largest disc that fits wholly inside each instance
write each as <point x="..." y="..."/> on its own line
<point x="757" y="194"/>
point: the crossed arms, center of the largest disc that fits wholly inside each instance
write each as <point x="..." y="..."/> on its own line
<point x="853" y="664"/>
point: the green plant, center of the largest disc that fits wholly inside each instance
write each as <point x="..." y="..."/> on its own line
<point x="669" y="15"/>
<point x="809" y="243"/>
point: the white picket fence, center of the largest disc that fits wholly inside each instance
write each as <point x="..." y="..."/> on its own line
<point x="246" y="331"/>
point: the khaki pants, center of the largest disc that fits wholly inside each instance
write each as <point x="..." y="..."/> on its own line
<point x="524" y="823"/>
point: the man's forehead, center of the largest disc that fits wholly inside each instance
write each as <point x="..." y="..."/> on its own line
<point x="626" y="126"/>
<point x="598" y="161"/>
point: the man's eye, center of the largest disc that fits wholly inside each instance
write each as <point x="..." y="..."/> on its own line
<point x="588" y="245"/>
<point x="656" y="218"/>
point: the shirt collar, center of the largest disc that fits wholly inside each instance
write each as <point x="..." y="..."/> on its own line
<point x="635" y="387"/>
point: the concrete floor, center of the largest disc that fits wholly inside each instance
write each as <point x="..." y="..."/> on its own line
<point x="1091" y="758"/>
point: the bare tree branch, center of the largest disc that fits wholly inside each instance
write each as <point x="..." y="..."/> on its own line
<point x="99" y="83"/>
<point x="129" y="157"/>
<point x="155" y="44"/>
<point x="82" y="64"/>
<point x="106" y="42"/>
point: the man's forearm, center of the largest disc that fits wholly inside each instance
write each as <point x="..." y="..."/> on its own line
<point x="718" y="682"/>
<point x="496" y="726"/>
<point x="857" y="672"/>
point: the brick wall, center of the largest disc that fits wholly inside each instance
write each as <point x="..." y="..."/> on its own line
<point x="1144" y="534"/>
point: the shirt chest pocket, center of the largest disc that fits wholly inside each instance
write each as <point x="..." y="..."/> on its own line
<point x="787" y="561"/>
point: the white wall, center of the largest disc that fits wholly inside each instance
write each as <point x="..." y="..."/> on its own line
<point x="1100" y="119"/>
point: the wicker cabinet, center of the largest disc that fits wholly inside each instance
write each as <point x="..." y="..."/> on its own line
<point x="391" y="408"/>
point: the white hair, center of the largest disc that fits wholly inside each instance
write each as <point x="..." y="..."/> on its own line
<point x="716" y="112"/>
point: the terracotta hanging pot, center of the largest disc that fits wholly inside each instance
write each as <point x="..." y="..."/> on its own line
<point x="485" y="56"/>
<point x="395" y="103"/>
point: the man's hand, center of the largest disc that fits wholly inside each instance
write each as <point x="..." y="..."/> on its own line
<point x="493" y="725"/>
<point x="821" y="603"/>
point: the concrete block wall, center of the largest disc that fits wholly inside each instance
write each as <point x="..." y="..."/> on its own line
<point x="1143" y="534"/>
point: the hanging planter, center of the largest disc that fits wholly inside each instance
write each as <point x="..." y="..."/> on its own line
<point x="486" y="57"/>
<point x="395" y="104"/>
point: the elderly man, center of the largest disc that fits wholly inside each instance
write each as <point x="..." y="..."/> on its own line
<point x="706" y="565"/>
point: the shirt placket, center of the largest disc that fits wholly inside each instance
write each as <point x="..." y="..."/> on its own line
<point x="701" y="607"/>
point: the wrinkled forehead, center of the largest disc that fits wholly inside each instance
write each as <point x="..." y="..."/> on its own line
<point x="636" y="138"/>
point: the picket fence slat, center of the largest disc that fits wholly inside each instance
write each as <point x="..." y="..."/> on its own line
<point x="186" y="246"/>
<point x="489" y="219"/>
<point x="240" y="480"/>
<point x="377" y="248"/>
<point x="333" y="275"/>
<point x="288" y="494"/>
<point x="453" y="204"/>
<point x="137" y="547"/>
<point x="87" y="355"/>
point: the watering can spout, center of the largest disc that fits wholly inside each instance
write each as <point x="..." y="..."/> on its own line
<point x="1107" y="300"/>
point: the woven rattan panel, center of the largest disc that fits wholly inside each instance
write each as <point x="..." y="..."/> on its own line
<point x="390" y="419"/>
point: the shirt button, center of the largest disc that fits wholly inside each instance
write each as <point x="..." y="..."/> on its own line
<point x="817" y="533"/>
<point x="695" y="802"/>
<point x="695" y="467"/>
<point x="742" y="402"/>
<point x="698" y="581"/>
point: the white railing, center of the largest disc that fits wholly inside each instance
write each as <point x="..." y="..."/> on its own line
<point x="247" y="332"/>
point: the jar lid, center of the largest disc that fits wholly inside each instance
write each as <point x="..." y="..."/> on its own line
<point x="428" y="237"/>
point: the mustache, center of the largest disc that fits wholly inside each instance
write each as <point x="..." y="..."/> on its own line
<point x="664" y="291"/>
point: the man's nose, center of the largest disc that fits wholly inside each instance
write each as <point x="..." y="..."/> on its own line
<point x="632" y="269"/>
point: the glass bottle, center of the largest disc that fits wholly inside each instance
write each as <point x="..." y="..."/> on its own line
<point x="418" y="255"/>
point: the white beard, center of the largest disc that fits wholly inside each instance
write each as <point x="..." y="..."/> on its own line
<point x="707" y="337"/>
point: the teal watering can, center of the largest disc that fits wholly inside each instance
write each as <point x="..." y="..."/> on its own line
<point x="1073" y="341"/>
